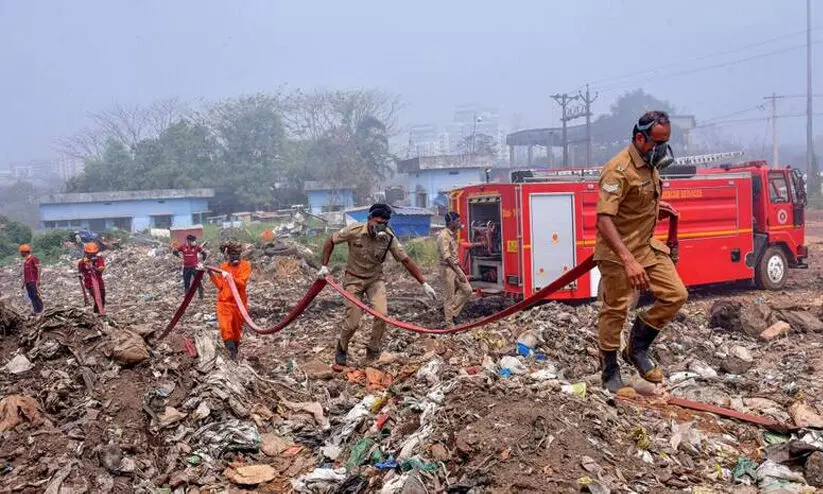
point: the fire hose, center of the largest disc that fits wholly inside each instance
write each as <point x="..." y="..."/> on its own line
<point x="319" y="284"/>
<point x="569" y="276"/>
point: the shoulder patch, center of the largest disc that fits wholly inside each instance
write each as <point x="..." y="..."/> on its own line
<point x="610" y="188"/>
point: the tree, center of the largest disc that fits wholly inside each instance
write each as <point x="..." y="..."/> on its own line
<point x="611" y="132"/>
<point x="124" y="124"/>
<point x="480" y="144"/>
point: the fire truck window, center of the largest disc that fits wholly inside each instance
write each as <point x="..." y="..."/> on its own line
<point x="778" y="189"/>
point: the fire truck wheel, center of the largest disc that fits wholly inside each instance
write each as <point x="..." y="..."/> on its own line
<point x="772" y="271"/>
<point x="632" y="301"/>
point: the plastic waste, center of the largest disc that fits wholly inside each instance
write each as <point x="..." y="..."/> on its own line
<point x="431" y="371"/>
<point x="232" y="435"/>
<point x="514" y="365"/>
<point x="418" y="463"/>
<point x="390" y="464"/>
<point x="769" y="472"/>
<point x="318" y="479"/>
<point x="745" y="471"/>
<point x="577" y="389"/>
<point x="359" y="453"/>
<point x="505" y="373"/>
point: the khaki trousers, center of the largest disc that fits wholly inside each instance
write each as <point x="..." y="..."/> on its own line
<point x="455" y="294"/>
<point x="669" y="292"/>
<point x="375" y="288"/>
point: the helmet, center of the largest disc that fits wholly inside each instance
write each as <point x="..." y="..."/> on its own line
<point x="91" y="248"/>
<point x="24" y="248"/>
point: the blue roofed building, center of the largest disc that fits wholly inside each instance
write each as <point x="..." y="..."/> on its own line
<point x="133" y="210"/>
<point x="326" y="197"/>
<point x="407" y="222"/>
<point x="427" y="180"/>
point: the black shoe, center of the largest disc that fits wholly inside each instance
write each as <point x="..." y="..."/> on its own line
<point x="610" y="375"/>
<point x="637" y="351"/>
<point x="231" y="346"/>
<point x="372" y="355"/>
<point x="340" y="356"/>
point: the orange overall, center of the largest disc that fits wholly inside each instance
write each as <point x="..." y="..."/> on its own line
<point x="228" y="315"/>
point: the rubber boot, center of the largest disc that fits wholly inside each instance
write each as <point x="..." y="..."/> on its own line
<point x="339" y="359"/>
<point x="610" y="375"/>
<point x="637" y="351"/>
<point x="231" y="347"/>
<point x="372" y="355"/>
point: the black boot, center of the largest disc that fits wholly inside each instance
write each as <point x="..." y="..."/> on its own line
<point x="231" y="347"/>
<point x="637" y="351"/>
<point x="610" y="375"/>
<point x="339" y="358"/>
<point x="372" y="355"/>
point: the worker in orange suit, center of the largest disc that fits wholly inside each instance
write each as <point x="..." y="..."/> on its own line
<point x="627" y="254"/>
<point x="228" y="314"/>
<point x="93" y="265"/>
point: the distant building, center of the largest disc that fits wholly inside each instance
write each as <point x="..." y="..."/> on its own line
<point x="406" y="222"/>
<point x="60" y="169"/>
<point x="325" y="197"/>
<point x="132" y="211"/>
<point x="428" y="179"/>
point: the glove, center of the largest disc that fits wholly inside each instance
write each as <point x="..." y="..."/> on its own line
<point x="429" y="291"/>
<point x="200" y="266"/>
<point x="323" y="272"/>
<point x="674" y="254"/>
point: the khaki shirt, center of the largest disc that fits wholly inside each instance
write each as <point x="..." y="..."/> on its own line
<point x="367" y="253"/>
<point x="447" y="247"/>
<point x="630" y="193"/>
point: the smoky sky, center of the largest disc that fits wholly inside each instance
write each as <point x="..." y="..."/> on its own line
<point x="62" y="60"/>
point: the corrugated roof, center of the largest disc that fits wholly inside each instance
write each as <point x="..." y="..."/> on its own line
<point x="127" y="195"/>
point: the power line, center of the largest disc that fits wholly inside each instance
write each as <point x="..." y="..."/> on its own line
<point x="749" y="120"/>
<point x="740" y="112"/>
<point x="711" y="67"/>
<point x="703" y="57"/>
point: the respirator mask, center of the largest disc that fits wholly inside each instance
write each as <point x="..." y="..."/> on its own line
<point x="660" y="156"/>
<point x="381" y="231"/>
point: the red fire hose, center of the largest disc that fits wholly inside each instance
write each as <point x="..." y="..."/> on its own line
<point x="584" y="267"/>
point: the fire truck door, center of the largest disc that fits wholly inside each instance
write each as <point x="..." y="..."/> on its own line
<point x="552" y="236"/>
<point x="780" y="214"/>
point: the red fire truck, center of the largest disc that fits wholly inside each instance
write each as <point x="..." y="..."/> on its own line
<point x="737" y="222"/>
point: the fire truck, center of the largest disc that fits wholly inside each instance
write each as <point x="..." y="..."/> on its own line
<point x="741" y="221"/>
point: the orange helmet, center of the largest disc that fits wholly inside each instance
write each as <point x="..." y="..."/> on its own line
<point x="24" y="248"/>
<point x="91" y="248"/>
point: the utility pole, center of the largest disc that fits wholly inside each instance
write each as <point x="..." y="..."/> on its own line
<point x="811" y="161"/>
<point x="774" y="97"/>
<point x="588" y="99"/>
<point x="563" y="100"/>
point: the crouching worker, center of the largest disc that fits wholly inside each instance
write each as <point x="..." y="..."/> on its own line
<point x="228" y="315"/>
<point x="369" y="244"/>
<point x="92" y="266"/>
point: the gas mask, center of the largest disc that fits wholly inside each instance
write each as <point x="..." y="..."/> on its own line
<point x="381" y="231"/>
<point x="660" y="156"/>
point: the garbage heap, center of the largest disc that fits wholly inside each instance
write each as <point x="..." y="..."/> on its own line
<point x="100" y="405"/>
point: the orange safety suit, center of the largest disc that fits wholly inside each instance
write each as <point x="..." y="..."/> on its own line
<point x="228" y="315"/>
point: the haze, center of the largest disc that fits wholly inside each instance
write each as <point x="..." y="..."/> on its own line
<point x="63" y="60"/>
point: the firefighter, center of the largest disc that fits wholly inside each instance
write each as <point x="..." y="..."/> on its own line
<point x="228" y="314"/>
<point x="456" y="287"/>
<point x="93" y="265"/>
<point x="369" y="244"/>
<point x="31" y="278"/>
<point x="627" y="254"/>
<point x="192" y="254"/>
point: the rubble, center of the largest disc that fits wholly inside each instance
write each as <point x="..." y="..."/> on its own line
<point x="514" y="406"/>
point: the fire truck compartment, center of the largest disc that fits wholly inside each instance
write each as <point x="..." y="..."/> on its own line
<point x="484" y="232"/>
<point x="552" y="242"/>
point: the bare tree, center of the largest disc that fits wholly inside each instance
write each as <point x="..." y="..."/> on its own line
<point x="126" y="124"/>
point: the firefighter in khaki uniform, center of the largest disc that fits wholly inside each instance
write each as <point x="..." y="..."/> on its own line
<point x="369" y="244"/>
<point x="628" y="256"/>
<point x="456" y="287"/>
